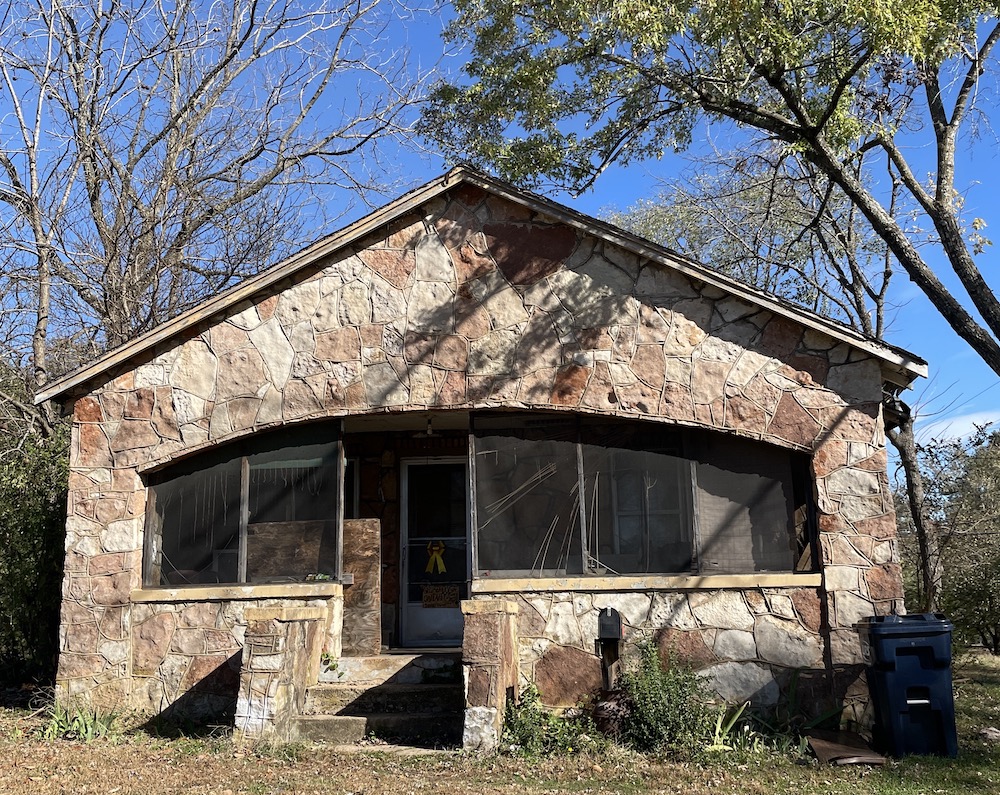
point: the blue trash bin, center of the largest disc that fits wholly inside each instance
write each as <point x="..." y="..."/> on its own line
<point x="909" y="679"/>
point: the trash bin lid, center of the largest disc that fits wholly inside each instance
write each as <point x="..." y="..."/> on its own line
<point x="915" y="624"/>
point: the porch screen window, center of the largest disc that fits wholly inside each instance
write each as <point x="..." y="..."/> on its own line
<point x="655" y="500"/>
<point x="264" y="511"/>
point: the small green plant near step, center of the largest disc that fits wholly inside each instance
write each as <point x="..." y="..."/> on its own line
<point x="329" y="663"/>
<point x="532" y="730"/>
<point x="79" y="723"/>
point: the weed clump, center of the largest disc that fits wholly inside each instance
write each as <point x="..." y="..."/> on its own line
<point x="532" y="730"/>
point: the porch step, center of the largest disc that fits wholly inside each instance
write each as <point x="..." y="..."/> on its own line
<point x="421" y="668"/>
<point x="413" y="699"/>
<point x="389" y="698"/>
<point x="432" y="730"/>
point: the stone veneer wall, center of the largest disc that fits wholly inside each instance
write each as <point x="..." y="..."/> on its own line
<point x="470" y="302"/>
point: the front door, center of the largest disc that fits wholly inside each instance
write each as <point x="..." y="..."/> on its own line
<point x="435" y="533"/>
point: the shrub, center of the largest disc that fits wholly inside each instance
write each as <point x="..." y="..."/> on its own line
<point x="667" y="707"/>
<point x="532" y="730"/>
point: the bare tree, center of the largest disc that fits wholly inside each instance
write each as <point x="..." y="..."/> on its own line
<point x="154" y="152"/>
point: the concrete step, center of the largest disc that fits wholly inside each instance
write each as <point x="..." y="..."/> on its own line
<point x="421" y="668"/>
<point x="359" y="699"/>
<point x="433" y="730"/>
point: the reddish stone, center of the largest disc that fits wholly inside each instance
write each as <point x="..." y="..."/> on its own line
<point x="371" y="335"/>
<point x="481" y="692"/>
<point x="877" y="462"/>
<point x="505" y="210"/>
<point x="536" y="387"/>
<point x="354" y="396"/>
<point x="565" y="676"/>
<point x="452" y="390"/>
<point x="76" y="666"/>
<point x="649" y="366"/>
<point x="265" y="308"/>
<point x="472" y="263"/>
<point x="454" y="225"/>
<point x="676" y="402"/>
<point x="227" y="337"/>
<point x="470" y="195"/>
<point x="743" y="414"/>
<point x="106" y="564"/>
<point x="125" y="382"/>
<point x="793" y="423"/>
<point x="82" y="637"/>
<point x="112" y="623"/>
<point x="481" y="638"/>
<point x="405" y="232"/>
<point x="339" y="345"/>
<point x="94" y="448"/>
<point x="112" y="589"/>
<point x="150" y="642"/>
<point x="781" y="337"/>
<point x="132" y="434"/>
<point x="472" y="321"/>
<point x="88" y="409"/>
<point x="395" y="266"/>
<point x="594" y="339"/>
<point x="809" y="608"/>
<point x="212" y="673"/>
<point x="639" y="397"/>
<point x="816" y="367"/>
<point x="856" y="423"/>
<point x="687" y="647"/>
<point x="451" y="352"/>
<point x="418" y="348"/>
<point x="163" y="416"/>
<point x="884" y="582"/>
<point x="571" y="381"/>
<point x="526" y="254"/>
<point x="241" y="373"/>
<point x="113" y="404"/>
<point x="600" y="392"/>
<point x="220" y="640"/>
<point x="203" y="614"/>
<point x="880" y="527"/>
<point x="830" y="456"/>
<point x="478" y="388"/>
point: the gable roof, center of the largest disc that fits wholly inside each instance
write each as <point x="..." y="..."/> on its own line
<point x="899" y="367"/>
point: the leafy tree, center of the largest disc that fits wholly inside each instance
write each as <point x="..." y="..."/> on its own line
<point x="962" y="497"/>
<point x="561" y="89"/>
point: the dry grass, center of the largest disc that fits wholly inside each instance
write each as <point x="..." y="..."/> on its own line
<point x="141" y="763"/>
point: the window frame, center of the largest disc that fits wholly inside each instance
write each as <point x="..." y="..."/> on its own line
<point x="243" y="450"/>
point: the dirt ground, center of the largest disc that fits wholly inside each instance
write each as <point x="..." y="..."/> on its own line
<point x="140" y="763"/>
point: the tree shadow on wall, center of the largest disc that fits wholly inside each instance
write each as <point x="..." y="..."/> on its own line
<point x="207" y="709"/>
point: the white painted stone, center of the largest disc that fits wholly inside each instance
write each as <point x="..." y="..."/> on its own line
<point x="480" y="733"/>
<point x="634" y="607"/>
<point x="853" y="482"/>
<point x="781" y="605"/>
<point x="188" y="407"/>
<point x="787" y="643"/>
<point x="883" y="552"/>
<point x="670" y="610"/>
<point x="735" y="644"/>
<point x="850" y="608"/>
<point x="564" y="628"/>
<point x="678" y="370"/>
<point x="812" y="398"/>
<point x="854" y="509"/>
<point x="150" y="375"/>
<point x="492" y="354"/>
<point x="430" y="307"/>
<point x="193" y="435"/>
<point x="85" y="545"/>
<point x="302" y="338"/>
<point x="220" y="424"/>
<point x="269" y="410"/>
<point x="622" y="375"/>
<point x="717" y="350"/>
<point x="746" y="367"/>
<point x="383" y="387"/>
<point x="738" y="682"/>
<point x="608" y="279"/>
<point x="721" y="609"/>
<point x="625" y="260"/>
<point x="275" y="350"/>
<point x="731" y="309"/>
<point x="246" y="318"/>
<point x="355" y="304"/>
<point x="114" y="651"/>
<point x="79" y="526"/>
<point x="540" y="295"/>
<point x="195" y="369"/>
<point x="840" y="578"/>
<point x="388" y="302"/>
<point x="656" y="281"/>
<point x="121" y="536"/>
<point x="433" y="262"/>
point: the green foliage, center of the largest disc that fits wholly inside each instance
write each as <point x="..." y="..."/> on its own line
<point x="79" y="723"/>
<point x="669" y="707"/>
<point x="561" y="88"/>
<point x="33" y="477"/>
<point x="532" y="730"/>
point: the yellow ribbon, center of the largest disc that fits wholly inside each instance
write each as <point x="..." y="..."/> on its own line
<point x="434" y="550"/>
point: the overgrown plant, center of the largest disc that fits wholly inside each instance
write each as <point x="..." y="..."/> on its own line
<point x="532" y="730"/>
<point x="668" y="706"/>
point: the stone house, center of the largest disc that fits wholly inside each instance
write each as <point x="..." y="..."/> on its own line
<point x="466" y="424"/>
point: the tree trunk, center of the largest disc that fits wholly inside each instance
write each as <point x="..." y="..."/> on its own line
<point x="929" y="553"/>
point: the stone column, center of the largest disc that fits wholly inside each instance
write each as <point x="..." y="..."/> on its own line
<point x="490" y="666"/>
<point x="280" y="661"/>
